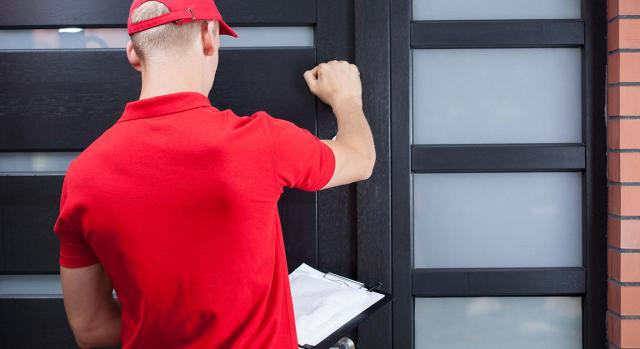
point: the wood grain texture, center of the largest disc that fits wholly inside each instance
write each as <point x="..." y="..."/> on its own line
<point x="403" y="329"/>
<point x="372" y="49"/>
<point x="455" y="282"/>
<point x="113" y="13"/>
<point x="595" y="179"/>
<point x="73" y="96"/>
<point x="28" y="209"/>
<point x="337" y="249"/>
<point x="497" y="158"/>
<point x="494" y="34"/>
<point x="297" y="210"/>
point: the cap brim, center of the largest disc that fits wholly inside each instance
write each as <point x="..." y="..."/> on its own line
<point x="225" y="29"/>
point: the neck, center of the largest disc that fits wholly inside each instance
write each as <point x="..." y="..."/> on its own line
<point x="163" y="78"/>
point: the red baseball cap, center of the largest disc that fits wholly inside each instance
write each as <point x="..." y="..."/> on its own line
<point x="180" y="11"/>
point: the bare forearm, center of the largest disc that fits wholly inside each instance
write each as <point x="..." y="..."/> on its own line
<point x="353" y="128"/>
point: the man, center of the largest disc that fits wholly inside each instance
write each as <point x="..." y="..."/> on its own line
<point x="175" y="206"/>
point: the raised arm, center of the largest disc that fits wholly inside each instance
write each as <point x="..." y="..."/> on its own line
<point x="337" y="83"/>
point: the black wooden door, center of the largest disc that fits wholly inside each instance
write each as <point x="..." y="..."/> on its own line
<point x="56" y="101"/>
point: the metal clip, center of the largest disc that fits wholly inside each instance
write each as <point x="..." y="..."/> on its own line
<point x="180" y="21"/>
<point x="346" y="281"/>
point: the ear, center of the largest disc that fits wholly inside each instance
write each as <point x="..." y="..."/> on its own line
<point x="210" y="38"/>
<point x="133" y="58"/>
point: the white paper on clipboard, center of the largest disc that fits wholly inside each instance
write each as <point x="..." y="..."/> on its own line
<point x="324" y="302"/>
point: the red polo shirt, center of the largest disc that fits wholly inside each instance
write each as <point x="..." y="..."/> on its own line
<point x="178" y="202"/>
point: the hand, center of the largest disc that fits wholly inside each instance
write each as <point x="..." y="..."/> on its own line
<point x="335" y="82"/>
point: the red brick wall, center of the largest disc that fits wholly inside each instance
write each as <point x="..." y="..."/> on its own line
<point x="623" y="318"/>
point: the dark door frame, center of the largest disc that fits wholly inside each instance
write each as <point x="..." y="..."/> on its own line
<point x="588" y="157"/>
<point x="372" y="55"/>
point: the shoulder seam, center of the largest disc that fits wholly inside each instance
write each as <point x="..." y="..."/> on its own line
<point x="66" y="189"/>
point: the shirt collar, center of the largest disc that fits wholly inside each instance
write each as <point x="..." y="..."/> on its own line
<point x="164" y="104"/>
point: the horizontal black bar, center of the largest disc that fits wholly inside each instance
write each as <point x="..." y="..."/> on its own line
<point x="29" y="205"/>
<point x="498" y="282"/>
<point x="63" y="100"/>
<point x="497" y="34"/>
<point x="35" y="323"/>
<point x="497" y="158"/>
<point x="16" y="14"/>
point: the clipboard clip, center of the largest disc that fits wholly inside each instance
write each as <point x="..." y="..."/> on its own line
<point x="343" y="280"/>
<point x="351" y="283"/>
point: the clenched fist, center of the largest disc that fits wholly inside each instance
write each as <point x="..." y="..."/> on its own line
<point x="335" y="82"/>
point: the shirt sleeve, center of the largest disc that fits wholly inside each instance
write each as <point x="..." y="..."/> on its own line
<point x="302" y="160"/>
<point x="75" y="252"/>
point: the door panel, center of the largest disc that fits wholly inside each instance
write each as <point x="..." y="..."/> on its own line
<point x="57" y="100"/>
<point x="34" y="323"/>
<point x="470" y="175"/>
<point x="73" y="96"/>
<point x="113" y="13"/>
<point x="28" y="206"/>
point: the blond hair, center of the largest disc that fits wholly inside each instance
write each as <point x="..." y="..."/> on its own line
<point x="169" y="36"/>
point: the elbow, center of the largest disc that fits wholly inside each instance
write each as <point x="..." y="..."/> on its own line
<point x="83" y="341"/>
<point x="85" y="336"/>
<point x="370" y="164"/>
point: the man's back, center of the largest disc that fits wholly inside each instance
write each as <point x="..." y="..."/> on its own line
<point x="178" y="202"/>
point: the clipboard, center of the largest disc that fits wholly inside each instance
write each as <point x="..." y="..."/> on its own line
<point x="342" y="331"/>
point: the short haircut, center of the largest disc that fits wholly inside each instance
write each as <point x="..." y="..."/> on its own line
<point x="169" y="36"/>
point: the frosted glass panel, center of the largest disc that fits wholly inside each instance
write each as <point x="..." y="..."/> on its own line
<point x="495" y="9"/>
<point x="486" y="220"/>
<point x="35" y="162"/>
<point x="468" y="96"/>
<point x="269" y="36"/>
<point x="30" y="286"/>
<point x="64" y="38"/>
<point x="99" y="38"/>
<point x="497" y="323"/>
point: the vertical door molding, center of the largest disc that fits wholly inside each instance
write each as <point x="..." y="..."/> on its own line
<point x="372" y="53"/>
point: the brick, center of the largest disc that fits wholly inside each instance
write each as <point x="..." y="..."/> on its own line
<point x="613" y="68"/>
<point x="624" y="167"/>
<point x="622" y="7"/>
<point x="624" y="300"/>
<point x="624" y="333"/>
<point x="623" y="134"/>
<point x="623" y="33"/>
<point x="613" y="8"/>
<point x="623" y="100"/>
<point x="624" y="200"/>
<point x="613" y="329"/>
<point x="623" y="266"/>
<point x="613" y="297"/>
<point x="624" y="67"/>
<point x="613" y="166"/>
<point x="624" y="233"/>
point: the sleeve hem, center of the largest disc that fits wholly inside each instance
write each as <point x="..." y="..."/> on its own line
<point x="76" y="263"/>
<point x="329" y="170"/>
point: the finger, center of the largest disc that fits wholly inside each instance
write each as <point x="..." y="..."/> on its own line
<point x="310" y="76"/>
<point x="313" y="72"/>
